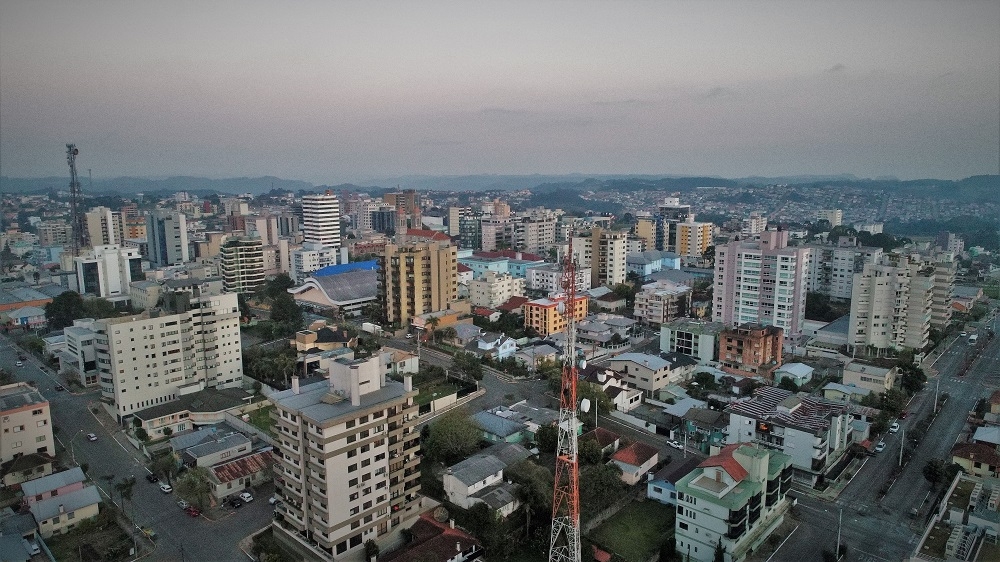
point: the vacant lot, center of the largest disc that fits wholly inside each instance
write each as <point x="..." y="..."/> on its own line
<point x="103" y="535"/>
<point x="637" y="531"/>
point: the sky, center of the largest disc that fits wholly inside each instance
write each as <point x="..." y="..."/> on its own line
<point x="332" y="92"/>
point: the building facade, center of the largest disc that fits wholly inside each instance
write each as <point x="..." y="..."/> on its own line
<point x="166" y="234"/>
<point x="241" y="263"/>
<point x="27" y="423"/>
<point x="495" y="289"/>
<point x="321" y="219"/>
<point x="695" y="338"/>
<point x="751" y="350"/>
<point x="417" y="279"/>
<point x="107" y="271"/>
<point x="661" y="302"/>
<point x="547" y="316"/>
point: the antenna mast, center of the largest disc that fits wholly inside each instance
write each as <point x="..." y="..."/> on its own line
<point x="74" y="192"/>
<point x="564" y="544"/>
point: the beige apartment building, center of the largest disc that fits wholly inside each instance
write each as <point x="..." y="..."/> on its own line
<point x="242" y="265"/>
<point x="418" y="278"/>
<point x="25" y="429"/>
<point x="693" y="238"/>
<point x="893" y="302"/>
<point x="495" y="289"/>
<point x="603" y="253"/>
<point x="346" y="465"/>
<point x="191" y="343"/>
<point x="661" y="302"/>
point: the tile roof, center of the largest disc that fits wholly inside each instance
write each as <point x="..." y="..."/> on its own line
<point x="49" y="507"/>
<point x="725" y="460"/>
<point x="513" y="303"/>
<point x="995" y="397"/>
<point x="217" y="445"/>
<point x="508" y="453"/>
<point x="53" y="481"/>
<point x="242" y="467"/>
<point x="676" y="470"/>
<point x="433" y="542"/>
<point x="475" y="469"/>
<point x="636" y="454"/>
<point x="496" y="425"/>
<point x="428" y="234"/>
<point x="604" y="437"/>
<point x="978" y="452"/>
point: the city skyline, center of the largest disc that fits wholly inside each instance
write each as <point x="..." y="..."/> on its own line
<point x="353" y="92"/>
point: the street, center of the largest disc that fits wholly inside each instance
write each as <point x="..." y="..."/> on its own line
<point x="181" y="537"/>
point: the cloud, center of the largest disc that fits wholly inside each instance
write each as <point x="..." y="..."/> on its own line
<point x="718" y="92"/>
<point x="434" y="142"/>
<point x="633" y="102"/>
<point x="839" y="67"/>
<point x="504" y="112"/>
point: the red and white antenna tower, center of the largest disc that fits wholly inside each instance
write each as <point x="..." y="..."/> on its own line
<point x="564" y="544"/>
<point x="74" y="202"/>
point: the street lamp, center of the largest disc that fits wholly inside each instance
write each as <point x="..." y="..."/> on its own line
<point x="72" y="451"/>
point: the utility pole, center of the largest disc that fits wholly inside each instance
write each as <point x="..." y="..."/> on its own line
<point x="840" y="522"/>
<point x="902" y="443"/>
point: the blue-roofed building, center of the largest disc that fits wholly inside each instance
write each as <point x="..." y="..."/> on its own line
<point x="480" y="265"/>
<point x="498" y="429"/>
<point x="371" y="265"/>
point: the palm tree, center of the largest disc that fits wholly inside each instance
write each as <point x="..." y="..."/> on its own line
<point x="432" y="324"/>
<point x="195" y="486"/>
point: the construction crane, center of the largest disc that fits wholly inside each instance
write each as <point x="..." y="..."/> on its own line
<point x="74" y="204"/>
<point x="564" y="544"/>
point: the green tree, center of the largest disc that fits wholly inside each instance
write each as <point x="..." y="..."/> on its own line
<point x="244" y="306"/>
<point x="913" y="379"/>
<point x="168" y="431"/>
<point x="164" y="466"/>
<point x="99" y="308"/>
<point x="468" y="364"/>
<point x="453" y="437"/>
<point x="371" y="549"/>
<point x="600" y="486"/>
<point x="788" y="384"/>
<point x="491" y="530"/>
<point x="141" y="434"/>
<point x="195" y="487"/>
<point x="276" y="287"/>
<point x="284" y="310"/>
<point x="63" y="309"/>
<point x="534" y="490"/>
<point x="720" y="553"/>
<point x="934" y="471"/>
<point x="590" y="451"/>
<point x="547" y="438"/>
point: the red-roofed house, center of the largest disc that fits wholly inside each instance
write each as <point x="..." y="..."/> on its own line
<point x="509" y="254"/>
<point x="513" y="305"/>
<point x="607" y="439"/>
<point x="635" y="461"/>
<point x="427" y="235"/>
<point x="725" y="460"/>
<point x="437" y="542"/>
<point x="237" y="475"/>
<point x="977" y="459"/>
<point x="465" y="274"/>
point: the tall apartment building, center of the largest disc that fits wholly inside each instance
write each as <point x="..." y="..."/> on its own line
<point x="408" y="201"/>
<point x="241" y="263"/>
<point x="536" y="230"/>
<point x="762" y="282"/>
<point x="312" y="257"/>
<point x="133" y="228"/>
<point x="101" y="227"/>
<point x="547" y="316"/>
<point x="288" y="224"/>
<point x="418" y="278"/>
<point x="498" y="232"/>
<point x="27" y="424"/>
<point x="668" y="215"/>
<point x="321" y="219"/>
<point x="832" y="267"/>
<point x="833" y="216"/>
<point x="950" y="242"/>
<point x="264" y="227"/>
<point x="166" y="234"/>
<point x="495" y="289"/>
<point x="735" y="498"/>
<point x="455" y="215"/>
<point x="751" y="350"/>
<point x="548" y="279"/>
<point x="470" y="230"/>
<point x="152" y="358"/>
<point x="645" y="228"/>
<point x="603" y="252"/>
<point x="347" y="468"/>
<point x="891" y="304"/>
<point x="106" y="271"/>
<point x="55" y="233"/>
<point x="661" y="302"/>
<point x="753" y="225"/>
<point x="693" y="238"/>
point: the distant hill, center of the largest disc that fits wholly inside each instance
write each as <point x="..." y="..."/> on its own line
<point x="128" y="185"/>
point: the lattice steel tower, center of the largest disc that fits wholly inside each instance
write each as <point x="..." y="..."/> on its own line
<point x="74" y="203"/>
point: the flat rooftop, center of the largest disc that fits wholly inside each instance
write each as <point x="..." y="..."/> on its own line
<point x="309" y="401"/>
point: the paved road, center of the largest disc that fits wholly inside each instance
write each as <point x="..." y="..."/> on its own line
<point x="200" y="538"/>
<point x="883" y="531"/>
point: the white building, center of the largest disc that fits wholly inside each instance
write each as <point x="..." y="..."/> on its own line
<point x="892" y="305"/>
<point x="313" y="256"/>
<point x="695" y="338"/>
<point x="832" y="267"/>
<point x="753" y="225"/>
<point x="693" y="238"/>
<point x="834" y="216"/>
<point x="495" y="289"/>
<point x="167" y="237"/>
<point x="321" y="219"/>
<point x="102" y="226"/>
<point x="152" y="358"/>
<point x="107" y="271"/>
<point x="535" y="230"/>
<point x="241" y="262"/>
<point x="603" y="253"/>
<point x="662" y="302"/>
<point x="548" y="278"/>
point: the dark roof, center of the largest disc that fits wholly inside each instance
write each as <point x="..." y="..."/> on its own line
<point x="604" y="437"/>
<point x="329" y="335"/>
<point x="208" y="400"/>
<point x="242" y="467"/>
<point x="706" y="417"/>
<point x="678" y="359"/>
<point x="978" y="452"/>
<point x="432" y="541"/>
<point x="676" y="470"/>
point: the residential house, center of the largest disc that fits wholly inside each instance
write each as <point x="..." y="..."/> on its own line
<point x="534" y="355"/>
<point x="650" y="373"/>
<point x="26" y="317"/>
<point x="977" y="459"/>
<point x="662" y="487"/>
<point x="622" y="397"/>
<point x="59" y="514"/>
<point x="989" y="435"/>
<point x="490" y="344"/>
<point x="874" y="378"/>
<point x="433" y="541"/>
<point x="235" y="476"/>
<point x="798" y="373"/>
<point x="498" y="429"/>
<point x="607" y="440"/>
<point x="479" y="479"/>
<point x="211" y="452"/>
<point x="705" y="427"/>
<point x="55" y="484"/>
<point x="320" y="337"/>
<point x="397" y="362"/>
<point x="845" y="392"/>
<point x="635" y="460"/>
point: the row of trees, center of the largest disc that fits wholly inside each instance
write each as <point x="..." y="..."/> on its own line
<point x="70" y="305"/>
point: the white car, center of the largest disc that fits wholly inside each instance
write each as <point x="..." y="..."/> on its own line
<point x="246" y="497"/>
<point x="19" y="364"/>
<point x="675" y="444"/>
<point x="880" y="447"/>
<point x="91" y="437"/>
<point x="409" y="336"/>
<point x="166" y="488"/>
<point x="964" y="334"/>
<point x="894" y="427"/>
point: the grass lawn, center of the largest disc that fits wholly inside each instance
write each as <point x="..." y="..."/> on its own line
<point x="433" y="391"/>
<point x="261" y="419"/>
<point x="637" y="531"/>
<point x="102" y="533"/>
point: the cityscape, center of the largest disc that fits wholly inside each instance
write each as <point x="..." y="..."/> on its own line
<point x="484" y="339"/>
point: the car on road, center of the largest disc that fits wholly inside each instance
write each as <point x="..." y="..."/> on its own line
<point x="880" y="447"/>
<point x="59" y="387"/>
<point x="166" y="488"/>
<point x="675" y="444"/>
<point x="235" y="503"/>
<point x="193" y="511"/>
<point x="19" y="364"/>
<point x="183" y="504"/>
<point x="963" y="334"/>
<point x="409" y="336"/>
<point x="21" y="357"/>
<point x="246" y="497"/>
<point x="894" y="427"/>
<point x="903" y="414"/>
<point x="152" y="478"/>
<point x="91" y="437"/>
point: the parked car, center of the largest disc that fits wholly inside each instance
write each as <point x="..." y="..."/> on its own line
<point x="894" y="427"/>
<point x="193" y="511"/>
<point x="964" y="334"/>
<point x="91" y="437"/>
<point x="409" y="336"/>
<point x="246" y="497"/>
<point x="59" y="387"/>
<point x="235" y="503"/>
<point x="21" y="357"/>
<point x="903" y="414"/>
<point x="152" y="478"/>
<point x="31" y="547"/>
<point x="19" y="364"/>
<point x="880" y="447"/>
<point x="183" y="504"/>
<point x="166" y="488"/>
<point x="675" y="444"/>
<point x="273" y="500"/>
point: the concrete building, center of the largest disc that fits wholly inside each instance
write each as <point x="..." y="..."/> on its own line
<point x="603" y="252"/>
<point x="495" y="289"/>
<point x="695" y="338"/>
<point x="546" y="316"/>
<point x="871" y="377"/>
<point x="55" y="233"/>
<point x="314" y="256"/>
<point x="27" y="429"/>
<point x="535" y="230"/>
<point x="321" y="219"/>
<point x="548" y="279"/>
<point x="196" y="338"/>
<point x="650" y="373"/>
<point x="101" y="227"/>
<point x="893" y="301"/>
<point x="78" y="358"/>
<point x="407" y="202"/>
<point x="242" y="265"/>
<point x="661" y="302"/>
<point x="418" y="278"/>
<point x="107" y="271"/>
<point x="693" y="238"/>
<point x="752" y="226"/>
<point x="832" y="267"/>
<point x="833" y="216"/>
<point x="950" y="243"/>
<point x="167" y="236"/>
<point x="735" y="498"/>
<point x="649" y="262"/>
<point x="668" y="215"/>
<point x="455" y="215"/>
<point x="763" y="282"/>
<point x="751" y="350"/>
<point x="347" y="468"/>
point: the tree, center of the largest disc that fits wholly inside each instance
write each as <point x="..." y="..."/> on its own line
<point x="244" y="306"/>
<point x="284" y="310"/>
<point x="168" y="431"/>
<point x="600" y="486"/>
<point x="590" y="451"/>
<point x="491" y="530"/>
<point x="99" y="308"/>
<point x="534" y="490"/>
<point x="720" y="553"/>
<point x="195" y="487"/>
<point x="468" y="364"/>
<point x="547" y="438"/>
<point x="141" y="434"/>
<point x="788" y="384"/>
<point x="63" y="309"/>
<point x="371" y="549"/>
<point x="913" y="379"/>
<point x="276" y="287"/>
<point x="164" y="466"/>
<point x="934" y="471"/>
<point x="453" y="437"/>
<point x="125" y="489"/>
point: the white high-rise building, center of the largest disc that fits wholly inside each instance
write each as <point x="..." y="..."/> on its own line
<point x="832" y="269"/>
<point x="495" y="289"/>
<point x="106" y="271"/>
<point x="166" y="234"/>
<point x="603" y="253"/>
<point x="101" y="227"/>
<point x="321" y="219"/>
<point x="152" y="358"/>
<point x="315" y="256"/>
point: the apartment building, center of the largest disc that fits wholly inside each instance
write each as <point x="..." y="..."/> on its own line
<point x="535" y="231"/>
<point x="26" y="423"/>
<point x="548" y="279"/>
<point x="55" y="233"/>
<point x="79" y="357"/>
<point x="650" y="373"/>
<point x="321" y="219"/>
<point x="753" y="225"/>
<point x="241" y="262"/>
<point x="408" y="203"/>
<point x="693" y="238"/>
<point x="455" y="215"/>
<point x="892" y="304"/>
<point x="166" y="234"/>
<point x="751" y="350"/>
<point x="695" y="338"/>
<point x="107" y="271"/>
<point x="546" y="316"/>
<point x="191" y="343"/>
<point x="498" y="232"/>
<point x="495" y="289"/>
<point x="661" y="302"/>
<point x="832" y="267"/>
<point x="814" y="431"/>
<point x="833" y="216"/>
<point x="645" y="230"/>
<point x="735" y="498"/>
<point x="346" y="468"/>
<point x="603" y="252"/>
<point x="314" y="256"/>
<point x="668" y="215"/>
<point x="762" y="282"/>
<point x="416" y="279"/>
<point x="950" y="242"/>
<point x="101" y="226"/>
<point x="871" y="377"/>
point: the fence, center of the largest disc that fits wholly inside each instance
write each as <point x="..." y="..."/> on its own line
<point x="250" y="429"/>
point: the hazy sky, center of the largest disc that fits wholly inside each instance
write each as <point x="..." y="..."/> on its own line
<point x="337" y="91"/>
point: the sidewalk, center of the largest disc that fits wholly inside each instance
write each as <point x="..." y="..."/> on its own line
<point x="833" y="490"/>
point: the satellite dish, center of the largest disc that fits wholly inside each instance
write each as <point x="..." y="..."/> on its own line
<point x="441" y="514"/>
<point x="585" y="405"/>
<point x="583" y="363"/>
<point x="561" y="308"/>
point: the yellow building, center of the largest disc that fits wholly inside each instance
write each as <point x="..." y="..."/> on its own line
<point x="417" y="279"/>
<point x="645" y="228"/>
<point x="693" y="238"/>
<point x="545" y="316"/>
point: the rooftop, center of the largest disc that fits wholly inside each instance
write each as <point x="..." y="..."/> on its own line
<point x="676" y="470"/>
<point x="242" y="467"/>
<point x="19" y="395"/>
<point x="496" y="425"/>
<point x="218" y="445"/>
<point x="977" y="452"/>
<point x="208" y="400"/>
<point x="53" y="481"/>
<point x="309" y="402"/>
<point x="807" y="413"/>
<point x="636" y="454"/>
<point x="50" y="507"/>
<point x="476" y="469"/>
